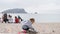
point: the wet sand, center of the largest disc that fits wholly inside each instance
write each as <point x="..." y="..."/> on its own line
<point x="41" y="28"/>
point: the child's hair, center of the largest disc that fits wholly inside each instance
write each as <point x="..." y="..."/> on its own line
<point x="15" y="16"/>
<point x="10" y="16"/>
<point x="32" y="20"/>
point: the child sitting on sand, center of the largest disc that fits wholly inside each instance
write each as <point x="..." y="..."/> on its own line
<point x="4" y="17"/>
<point x="20" y="19"/>
<point x="27" y="25"/>
<point x="16" y="20"/>
<point x="10" y="19"/>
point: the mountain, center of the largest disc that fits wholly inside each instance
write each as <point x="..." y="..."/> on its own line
<point x="14" y="11"/>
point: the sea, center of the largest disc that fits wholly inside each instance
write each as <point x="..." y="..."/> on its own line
<point x="39" y="18"/>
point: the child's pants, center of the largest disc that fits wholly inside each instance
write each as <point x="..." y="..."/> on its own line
<point x="25" y="27"/>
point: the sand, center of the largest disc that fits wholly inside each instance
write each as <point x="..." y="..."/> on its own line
<point x="41" y="28"/>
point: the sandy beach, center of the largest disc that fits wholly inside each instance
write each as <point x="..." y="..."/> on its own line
<point x="41" y="28"/>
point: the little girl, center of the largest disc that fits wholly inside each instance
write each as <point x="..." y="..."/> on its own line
<point x="27" y="25"/>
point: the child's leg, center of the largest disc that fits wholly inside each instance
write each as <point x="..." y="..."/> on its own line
<point x="25" y="28"/>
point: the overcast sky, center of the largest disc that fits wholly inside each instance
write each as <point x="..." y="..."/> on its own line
<point x="31" y="6"/>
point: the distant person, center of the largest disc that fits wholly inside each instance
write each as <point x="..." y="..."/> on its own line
<point x="27" y="25"/>
<point x="0" y="20"/>
<point x="16" y="20"/>
<point x="10" y="19"/>
<point x="20" y="19"/>
<point x="5" y="18"/>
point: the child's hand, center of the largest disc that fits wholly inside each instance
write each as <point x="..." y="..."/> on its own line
<point x="32" y="29"/>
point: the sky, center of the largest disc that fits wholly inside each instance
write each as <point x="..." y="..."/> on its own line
<point x="31" y="6"/>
